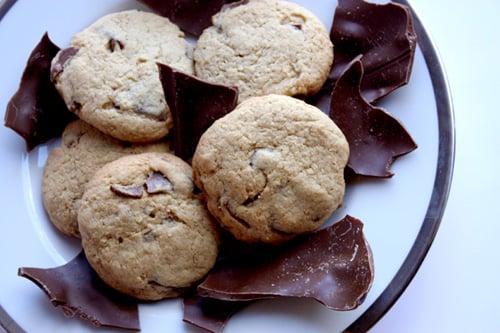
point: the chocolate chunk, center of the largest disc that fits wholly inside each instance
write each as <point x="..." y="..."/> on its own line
<point x="208" y="313"/>
<point x="77" y="289"/>
<point x="36" y="111"/>
<point x="375" y="137"/>
<point x="158" y="183"/>
<point x="128" y="191"/>
<point x="385" y="37"/>
<point x="195" y="104"/>
<point x="333" y="266"/>
<point x="58" y="67"/>
<point x="192" y="16"/>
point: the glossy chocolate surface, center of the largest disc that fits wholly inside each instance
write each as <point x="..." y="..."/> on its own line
<point x="375" y="137"/>
<point x="77" y="289"/>
<point x="36" y="111"/>
<point x="194" y="104"/>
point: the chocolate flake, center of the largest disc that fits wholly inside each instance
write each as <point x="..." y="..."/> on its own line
<point x="375" y="137"/>
<point x="36" y="111"/>
<point x="77" y="289"/>
<point x="333" y="266"/>
<point x="195" y="104"/>
<point x="129" y="191"/>
<point x="58" y="67"/>
<point x="158" y="183"/>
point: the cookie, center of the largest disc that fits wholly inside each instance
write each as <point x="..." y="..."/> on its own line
<point x="144" y="229"/>
<point x="83" y="150"/>
<point x="109" y="76"/>
<point x="265" y="47"/>
<point x="272" y="169"/>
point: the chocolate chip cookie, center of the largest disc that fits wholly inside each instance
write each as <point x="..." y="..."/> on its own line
<point x="109" y="76"/>
<point x="144" y="229"/>
<point x="83" y="150"/>
<point x="264" y="47"/>
<point x="272" y="169"/>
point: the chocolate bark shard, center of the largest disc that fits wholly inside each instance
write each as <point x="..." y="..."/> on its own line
<point x="192" y="16"/>
<point x="36" y="111"/>
<point x="375" y="137"/>
<point x="333" y="266"/>
<point x="77" y="289"/>
<point x="385" y="37"/>
<point x="208" y="313"/>
<point x="195" y="104"/>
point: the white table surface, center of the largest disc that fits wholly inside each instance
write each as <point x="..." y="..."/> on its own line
<point x="457" y="287"/>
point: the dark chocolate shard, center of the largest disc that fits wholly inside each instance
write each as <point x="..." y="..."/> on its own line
<point x="36" y="111"/>
<point x="375" y="137"/>
<point x="77" y="289"/>
<point x="192" y="16"/>
<point x="209" y="314"/>
<point x="58" y="67"/>
<point x="195" y="104"/>
<point x="333" y="266"/>
<point x="158" y="183"/>
<point x="385" y="37"/>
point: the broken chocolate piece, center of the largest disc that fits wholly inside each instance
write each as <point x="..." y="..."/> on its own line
<point x="192" y="16"/>
<point x="77" y="289"/>
<point x="333" y="266"/>
<point x="36" y="111"/>
<point x="195" y="104"/>
<point x="208" y="313"/>
<point x="375" y="137"/>
<point x="158" y="183"/>
<point x="129" y="191"/>
<point x="385" y="37"/>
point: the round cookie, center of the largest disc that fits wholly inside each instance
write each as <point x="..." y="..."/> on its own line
<point x="272" y="169"/>
<point x="265" y="47"/>
<point x="144" y="229"/>
<point x="109" y="76"/>
<point x="83" y="150"/>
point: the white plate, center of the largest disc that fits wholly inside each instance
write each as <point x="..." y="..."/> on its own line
<point x="401" y="214"/>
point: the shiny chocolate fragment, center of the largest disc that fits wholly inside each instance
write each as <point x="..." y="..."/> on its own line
<point x="192" y="16"/>
<point x="77" y="289"/>
<point x="208" y="313"/>
<point x="127" y="191"/>
<point x="195" y="104"/>
<point x="158" y="183"/>
<point x="375" y="137"/>
<point x="333" y="266"/>
<point x="385" y="37"/>
<point x="36" y="111"/>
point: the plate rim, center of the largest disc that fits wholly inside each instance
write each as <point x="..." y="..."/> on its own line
<point x="437" y="202"/>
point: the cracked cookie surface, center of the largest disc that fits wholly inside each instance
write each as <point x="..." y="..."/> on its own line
<point x="265" y="47"/>
<point x="272" y="169"/>
<point x="144" y="228"/>
<point x="109" y="76"/>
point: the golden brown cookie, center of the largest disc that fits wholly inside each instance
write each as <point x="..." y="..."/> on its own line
<point x="264" y="47"/>
<point x="272" y="169"/>
<point x="83" y="150"/>
<point x="109" y="76"/>
<point x="144" y="229"/>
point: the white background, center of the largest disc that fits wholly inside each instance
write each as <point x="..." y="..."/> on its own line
<point x="457" y="289"/>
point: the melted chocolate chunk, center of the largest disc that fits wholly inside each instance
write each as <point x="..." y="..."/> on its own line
<point x="77" y="289"/>
<point x="192" y="16"/>
<point x="58" y="67"/>
<point x="128" y="191"/>
<point x="385" y="37"/>
<point x="375" y="137"/>
<point x="195" y="104"/>
<point x="36" y="111"/>
<point x="333" y="266"/>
